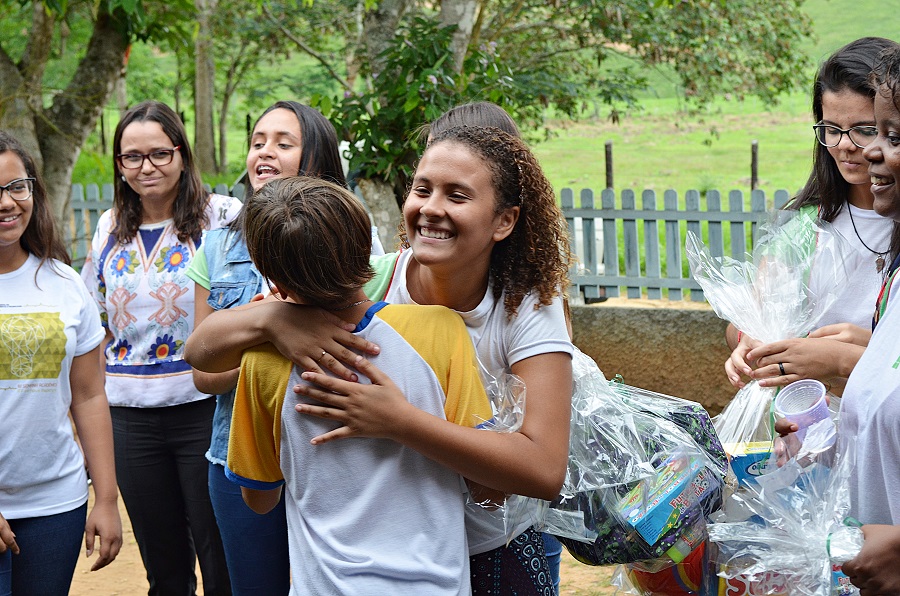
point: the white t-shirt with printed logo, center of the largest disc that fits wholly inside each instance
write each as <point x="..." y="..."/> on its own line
<point x="47" y="318"/>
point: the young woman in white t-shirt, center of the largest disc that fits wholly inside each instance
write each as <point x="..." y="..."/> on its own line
<point x="838" y="191"/>
<point x="50" y="336"/>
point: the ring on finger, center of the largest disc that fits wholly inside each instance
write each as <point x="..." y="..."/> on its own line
<point x="319" y="359"/>
<point x="780" y="367"/>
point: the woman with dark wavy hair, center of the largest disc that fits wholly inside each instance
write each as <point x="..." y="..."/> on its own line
<point x="838" y="191"/>
<point x="288" y="139"/>
<point x="50" y="336"/>
<point x="162" y="423"/>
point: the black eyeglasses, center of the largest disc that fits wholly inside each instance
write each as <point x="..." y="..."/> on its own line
<point x="19" y="189"/>
<point x="160" y="157"/>
<point x="830" y="136"/>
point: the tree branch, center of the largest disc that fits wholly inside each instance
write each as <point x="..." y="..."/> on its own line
<point x="64" y="126"/>
<point x="308" y="50"/>
<point x="508" y="16"/>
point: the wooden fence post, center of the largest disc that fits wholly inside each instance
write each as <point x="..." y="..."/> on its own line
<point x="754" y="165"/>
<point x="609" y="164"/>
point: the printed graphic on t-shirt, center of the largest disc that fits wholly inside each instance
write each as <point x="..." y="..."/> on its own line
<point x="32" y="346"/>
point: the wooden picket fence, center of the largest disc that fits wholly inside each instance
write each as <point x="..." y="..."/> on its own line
<point x="608" y="245"/>
<point x="602" y="270"/>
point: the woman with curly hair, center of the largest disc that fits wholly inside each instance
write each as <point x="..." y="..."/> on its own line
<point x="482" y="235"/>
<point x="161" y="422"/>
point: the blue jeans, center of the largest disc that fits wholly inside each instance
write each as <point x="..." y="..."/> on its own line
<point x="553" y="550"/>
<point x="256" y="546"/>
<point x="49" y="548"/>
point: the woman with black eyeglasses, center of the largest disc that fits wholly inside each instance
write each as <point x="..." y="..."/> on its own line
<point x="50" y="337"/>
<point x="838" y="191"/>
<point x="161" y="423"/>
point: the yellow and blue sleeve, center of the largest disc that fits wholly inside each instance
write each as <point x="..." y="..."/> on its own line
<point x="255" y="437"/>
<point x="446" y="346"/>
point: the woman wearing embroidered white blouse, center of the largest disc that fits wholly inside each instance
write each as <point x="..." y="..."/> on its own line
<point x="161" y="422"/>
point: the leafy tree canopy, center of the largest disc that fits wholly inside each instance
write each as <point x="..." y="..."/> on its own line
<point x="529" y="54"/>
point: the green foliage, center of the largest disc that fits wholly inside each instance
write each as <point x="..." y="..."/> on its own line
<point x="743" y="47"/>
<point x="528" y="55"/>
<point x="165" y="21"/>
<point x="419" y="83"/>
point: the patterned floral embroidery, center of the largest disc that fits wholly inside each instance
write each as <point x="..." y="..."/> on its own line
<point x="172" y="258"/>
<point x="118" y="303"/>
<point x="122" y="350"/>
<point x="124" y="262"/>
<point x="164" y="347"/>
<point x="169" y="312"/>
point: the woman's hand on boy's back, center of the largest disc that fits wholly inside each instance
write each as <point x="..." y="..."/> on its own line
<point x="530" y="462"/>
<point x="310" y="337"/>
<point x="378" y="410"/>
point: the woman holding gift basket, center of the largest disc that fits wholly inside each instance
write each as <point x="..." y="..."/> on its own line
<point x="867" y="483"/>
<point x="838" y="192"/>
<point x="871" y="405"/>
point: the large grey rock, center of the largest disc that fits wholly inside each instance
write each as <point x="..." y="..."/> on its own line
<point x="679" y="351"/>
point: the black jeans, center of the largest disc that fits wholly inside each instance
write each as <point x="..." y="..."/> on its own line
<point x="162" y="472"/>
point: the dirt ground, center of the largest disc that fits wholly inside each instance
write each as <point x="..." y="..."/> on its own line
<point x="125" y="576"/>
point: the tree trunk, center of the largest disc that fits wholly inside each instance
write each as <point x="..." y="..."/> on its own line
<point x="223" y="130"/>
<point x="21" y="85"/>
<point x="65" y="125"/>
<point x="121" y="95"/>
<point x="462" y="14"/>
<point x="382" y="203"/>
<point x="204" y="89"/>
<point x="380" y="28"/>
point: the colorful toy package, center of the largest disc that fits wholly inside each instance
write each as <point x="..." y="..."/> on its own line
<point x="656" y="507"/>
<point x="797" y="533"/>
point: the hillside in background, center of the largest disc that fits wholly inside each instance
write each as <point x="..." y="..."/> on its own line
<point x="664" y="143"/>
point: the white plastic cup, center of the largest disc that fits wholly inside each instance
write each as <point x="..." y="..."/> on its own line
<point x="803" y="403"/>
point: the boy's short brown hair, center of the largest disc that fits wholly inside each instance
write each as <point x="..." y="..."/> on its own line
<point x="310" y="238"/>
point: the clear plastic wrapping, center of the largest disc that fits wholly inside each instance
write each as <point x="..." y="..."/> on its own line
<point x="796" y="272"/>
<point x="644" y="469"/>
<point x="507" y="395"/>
<point x="798" y="269"/>
<point x="797" y="534"/>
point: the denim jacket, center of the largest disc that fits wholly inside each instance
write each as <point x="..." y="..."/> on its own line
<point x="233" y="280"/>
